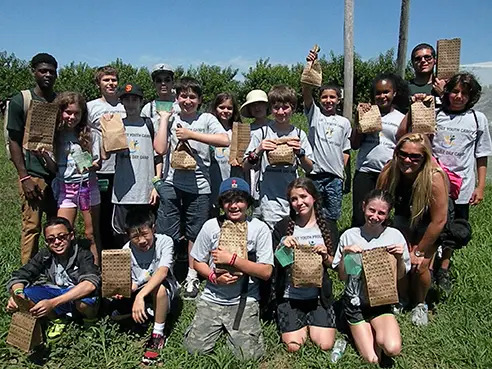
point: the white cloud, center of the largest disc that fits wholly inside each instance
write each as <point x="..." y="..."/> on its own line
<point x="483" y="71"/>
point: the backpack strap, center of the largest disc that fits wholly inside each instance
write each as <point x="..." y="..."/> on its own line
<point x="242" y="299"/>
<point x="26" y="99"/>
<point x="476" y="119"/>
<point x="150" y="127"/>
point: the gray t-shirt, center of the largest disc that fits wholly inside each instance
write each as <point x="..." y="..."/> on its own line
<point x="458" y="141"/>
<point x="354" y="236"/>
<point x="220" y="169"/>
<point x="145" y="263"/>
<point x="62" y="279"/>
<point x="134" y="168"/>
<point x="305" y="236"/>
<point x="197" y="181"/>
<point x="259" y="246"/>
<point x="254" y="175"/>
<point x="274" y="179"/>
<point x="68" y="143"/>
<point x="96" y="109"/>
<point x="329" y="137"/>
<point x="377" y="148"/>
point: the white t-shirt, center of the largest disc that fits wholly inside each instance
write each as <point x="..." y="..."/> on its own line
<point x="66" y="144"/>
<point x="197" y="181"/>
<point x="134" y="168"/>
<point x="259" y="244"/>
<point x="354" y="236"/>
<point x="305" y="236"/>
<point x="274" y="179"/>
<point x="329" y="137"/>
<point x="377" y="148"/>
<point x="145" y="264"/>
<point x="458" y="141"/>
<point x="96" y="109"/>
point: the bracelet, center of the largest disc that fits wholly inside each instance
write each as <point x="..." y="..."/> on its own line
<point x="25" y="178"/>
<point x="233" y="259"/>
<point x="212" y="277"/>
<point x="19" y="291"/>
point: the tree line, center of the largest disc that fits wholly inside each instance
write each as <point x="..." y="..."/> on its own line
<point x="15" y="75"/>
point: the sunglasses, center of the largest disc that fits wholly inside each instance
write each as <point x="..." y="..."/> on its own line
<point x="427" y="58"/>
<point x="61" y="237"/>
<point x="164" y="79"/>
<point x="413" y="157"/>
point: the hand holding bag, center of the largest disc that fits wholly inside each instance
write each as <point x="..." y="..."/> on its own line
<point x="312" y="73"/>
<point x="283" y="154"/>
<point x="380" y="274"/>
<point x="113" y="133"/>
<point x="307" y="270"/>
<point x="234" y="239"/>
<point x="369" y="121"/>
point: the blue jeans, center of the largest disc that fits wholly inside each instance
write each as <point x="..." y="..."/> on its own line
<point x="44" y="292"/>
<point x="175" y="203"/>
<point x="331" y="190"/>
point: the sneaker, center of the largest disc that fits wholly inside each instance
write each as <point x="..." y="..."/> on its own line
<point x="192" y="287"/>
<point x="154" y="345"/>
<point x="443" y="280"/>
<point x="56" y="328"/>
<point x="420" y="314"/>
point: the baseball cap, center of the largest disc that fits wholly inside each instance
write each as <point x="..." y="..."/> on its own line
<point x="161" y="67"/>
<point x="129" y="89"/>
<point x="234" y="183"/>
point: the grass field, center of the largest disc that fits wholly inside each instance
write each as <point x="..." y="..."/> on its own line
<point x="458" y="336"/>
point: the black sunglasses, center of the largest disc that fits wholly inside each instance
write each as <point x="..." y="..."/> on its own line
<point x="413" y="157"/>
<point x="427" y="58"/>
<point x="61" y="237"/>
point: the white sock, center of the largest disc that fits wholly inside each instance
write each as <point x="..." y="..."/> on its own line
<point x="192" y="274"/>
<point x="159" y="328"/>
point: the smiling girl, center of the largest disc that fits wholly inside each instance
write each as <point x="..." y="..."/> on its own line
<point x="76" y="182"/>
<point x="304" y="311"/>
<point x="374" y="329"/>
<point x="390" y="93"/>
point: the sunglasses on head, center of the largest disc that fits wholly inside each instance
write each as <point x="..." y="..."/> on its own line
<point x="427" y="58"/>
<point x="412" y="156"/>
<point x="163" y="79"/>
<point x="61" y="237"/>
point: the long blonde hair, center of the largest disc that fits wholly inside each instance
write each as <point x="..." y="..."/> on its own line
<point x="390" y="176"/>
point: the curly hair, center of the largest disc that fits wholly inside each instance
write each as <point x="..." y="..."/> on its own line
<point x="400" y="88"/>
<point x="470" y="86"/>
<point x="82" y="129"/>
<point x="390" y="176"/>
<point x="308" y="185"/>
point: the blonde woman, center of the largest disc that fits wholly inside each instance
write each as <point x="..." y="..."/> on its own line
<point x="420" y="189"/>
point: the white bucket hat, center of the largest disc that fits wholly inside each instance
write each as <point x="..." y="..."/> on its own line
<point x="252" y="97"/>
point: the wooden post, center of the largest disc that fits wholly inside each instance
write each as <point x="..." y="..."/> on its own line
<point x="348" y="60"/>
<point x="401" y="60"/>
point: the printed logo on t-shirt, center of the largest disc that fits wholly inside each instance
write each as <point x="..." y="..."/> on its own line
<point x="329" y="132"/>
<point x="448" y="141"/>
<point x="221" y="152"/>
<point x="133" y="146"/>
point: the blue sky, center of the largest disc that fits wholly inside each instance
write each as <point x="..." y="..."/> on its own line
<point x="236" y="33"/>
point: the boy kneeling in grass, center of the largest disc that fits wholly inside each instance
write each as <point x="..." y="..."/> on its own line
<point x="229" y="302"/>
<point x="152" y="277"/>
<point x="59" y="280"/>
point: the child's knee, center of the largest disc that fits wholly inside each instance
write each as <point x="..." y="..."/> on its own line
<point x="325" y="345"/>
<point x="392" y="348"/>
<point x="161" y="291"/>
<point x="293" y="346"/>
<point x="89" y="311"/>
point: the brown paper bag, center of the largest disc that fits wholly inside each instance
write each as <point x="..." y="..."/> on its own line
<point x="312" y="73"/>
<point x="24" y="332"/>
<point x="234" y="239"/>
<point x="241" y="134"/>
<point x="380" y="275"/>
<point x="182" y="157"/>
<point x="423" y="115"/>
<point x="283" y="154"/>
<point x="448" y="58"/>
<point x="40" y="126"/>
<point x="116" y="273"/>
<point x="307" y="270"/>
<point x="113" y="133"/>
<point x="369" y="122"/>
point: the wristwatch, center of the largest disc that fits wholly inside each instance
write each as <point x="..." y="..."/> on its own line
<point x="418" y="253"/>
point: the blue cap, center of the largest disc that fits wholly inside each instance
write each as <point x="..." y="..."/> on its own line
<point x="234" y="183"/>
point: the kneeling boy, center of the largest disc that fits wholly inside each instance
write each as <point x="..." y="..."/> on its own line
<point x="70" y="278"/>
<point x="229" y="301"/>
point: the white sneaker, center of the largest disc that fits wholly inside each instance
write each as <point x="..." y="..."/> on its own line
<point x="192" y="287"/>
<point x="420" y="314"/>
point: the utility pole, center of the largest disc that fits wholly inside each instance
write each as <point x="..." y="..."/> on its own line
<point x="401" y="59"/>
<point x="348" y="60"/>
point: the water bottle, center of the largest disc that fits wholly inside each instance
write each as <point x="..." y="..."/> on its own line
<point x="338" y="350"/>
<point x="85" y="196"/>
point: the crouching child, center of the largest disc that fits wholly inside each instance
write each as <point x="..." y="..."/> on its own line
<point x="59" y="281"/>
<point x="153" y="283"/>
<point x="229" y="302"/>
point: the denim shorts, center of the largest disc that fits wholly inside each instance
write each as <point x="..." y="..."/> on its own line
<point x="330" y="188"/>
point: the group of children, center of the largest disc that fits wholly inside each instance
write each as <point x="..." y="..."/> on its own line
<point x="115" y="191"/>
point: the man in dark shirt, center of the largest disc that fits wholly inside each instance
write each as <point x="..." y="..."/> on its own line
<point x="423" y="62"/>
<point x="34" y="178"/>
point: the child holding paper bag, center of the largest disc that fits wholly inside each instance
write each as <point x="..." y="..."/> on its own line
<point x="305" y="310"/>
<point x="374" y="329"/>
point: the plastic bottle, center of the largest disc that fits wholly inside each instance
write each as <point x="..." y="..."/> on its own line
<point x="338" y="350"/>
<point x="85" y="196"/>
